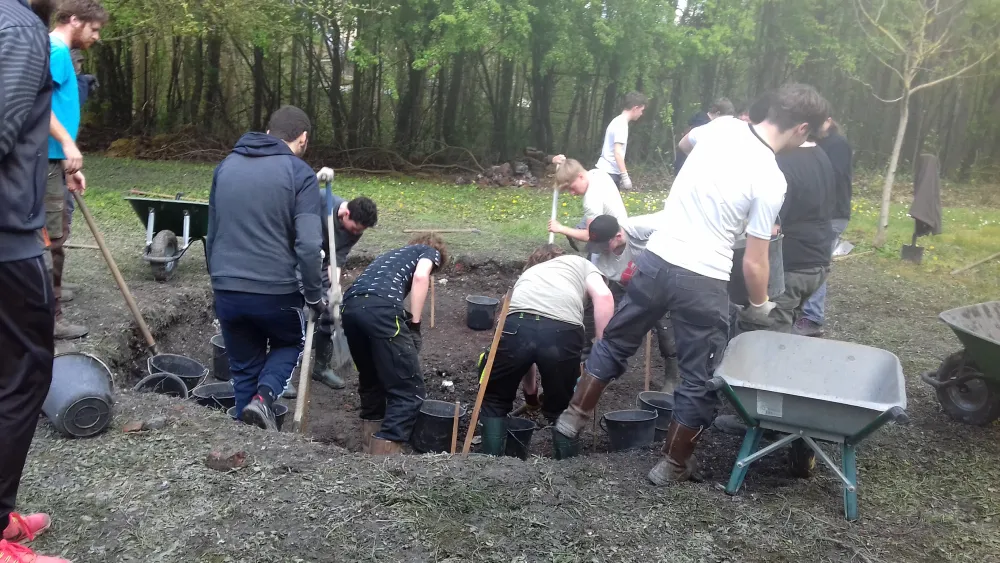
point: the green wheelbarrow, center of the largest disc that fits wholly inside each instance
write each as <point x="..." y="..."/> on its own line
<point x="164" y="218"/>
<point x="812" y="390"/>
<point x="967" y="383"/>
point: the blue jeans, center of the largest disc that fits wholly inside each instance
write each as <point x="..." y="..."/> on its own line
<point x="251" y="324"/>
<point x="699" y="311"/>
<point x="814" y="308"/>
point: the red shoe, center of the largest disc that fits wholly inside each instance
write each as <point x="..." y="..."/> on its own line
<point x="17" y="553"/>
<point x="25" y="528"/>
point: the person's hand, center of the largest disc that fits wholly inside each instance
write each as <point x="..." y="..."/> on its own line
<point x="318" y="308"/>
<point x="76" y="183"/>
<point x="325" y="175"/>
<point x="626" y="182"/>
<point x="92" y="83"/>
<point x="775" y="230"/>
<point x="335" y="296"/>
<point x="418" y="341"/>
<point x="558" y="159"/>
<point x="758" y="314"/>
<point x="555" y="226"/>
<point x="74" y="158"/>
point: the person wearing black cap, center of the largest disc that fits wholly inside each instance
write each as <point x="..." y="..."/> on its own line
<point x="614" y="249"/>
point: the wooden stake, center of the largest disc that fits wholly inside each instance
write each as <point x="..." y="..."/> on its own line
<point x="441" y="231"/>
<point x="974" y="264"/>
<point x="454" y="430"/>
<point x="433" y="308"/>
<point x="485" y="379"/>
<point x="81" y="246"/>
<point x="649" y="355"/>
<point x="299" y="420"/>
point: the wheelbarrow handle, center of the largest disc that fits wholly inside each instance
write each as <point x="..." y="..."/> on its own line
<point x="899" y="415"/>
<point x="715" y="383"/>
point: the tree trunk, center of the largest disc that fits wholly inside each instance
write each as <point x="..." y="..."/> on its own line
<point x="213" y="89"/>
<point x="890" y="175"/>
<point x="407" y="117"/>
<point x="194" y="102"/>
<point x="451" y="109"/>
<point x="501" y="113"/>
<point x="258" y="90"/>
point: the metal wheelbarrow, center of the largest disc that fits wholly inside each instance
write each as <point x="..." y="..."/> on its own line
<point x="164" y="218"/>
<point x="810" y="389"/>
<point x="967" y="383"/>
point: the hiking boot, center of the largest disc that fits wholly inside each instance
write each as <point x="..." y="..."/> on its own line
<point x="368" y="430"/>
<point x="290" y="392"/>
<point x="581" y="407"/>
<point x="70" y="286"/>
<point x="65" y="330"/>
<point x="385" y="447"/>
<point x="671" y="377"/>
<point x="321" y="371"/>
<point x="807" y="327"/>
<point x="25" y="528"/>
<point x="11" y="552"/>
<point x="66" y="295"/>
<point x="259" y="414"/>
<point x="678" y="462"/>
<point x="730" y="424"/>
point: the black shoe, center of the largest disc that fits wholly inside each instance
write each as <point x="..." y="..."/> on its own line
<point x="259" y="414"/>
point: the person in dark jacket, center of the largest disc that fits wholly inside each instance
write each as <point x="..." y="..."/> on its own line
<point x="264" y="233"/>
<point x="841" y="157"/>
<point x="26" y="298"/>
<point x="721" y="107"/>
<point x="385" y="340"/>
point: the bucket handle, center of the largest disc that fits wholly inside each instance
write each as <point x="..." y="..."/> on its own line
<point x="601" y="422"/>
<point x="149" y="365"/>
<point x="516" y="439"/>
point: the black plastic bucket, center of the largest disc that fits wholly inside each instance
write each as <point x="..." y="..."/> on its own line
<point x="480" y="312"/>
<point x="519" y="431"/>
<point x="79" y="400"/>
<point x="220" y="360"/>
<point x="190" y="371"/>
<point x="163" y="383"/>
<point x="280" y="411"/>
<point x="660" y="403"/>
<point x="776" y="275"/>
<point x="629" y="429"/>
<point x="220" y="396"/>
<point x="432" y="430"/>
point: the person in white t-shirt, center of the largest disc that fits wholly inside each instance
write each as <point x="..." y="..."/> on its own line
<point x="730" y="183"/>
<point x="600" y="196"/>
<point x="612" y="158"/>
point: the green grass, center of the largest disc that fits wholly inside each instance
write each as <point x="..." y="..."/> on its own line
<point x="513" y="220"/>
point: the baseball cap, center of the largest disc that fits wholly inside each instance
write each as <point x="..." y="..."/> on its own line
<point x="602" y="229"/>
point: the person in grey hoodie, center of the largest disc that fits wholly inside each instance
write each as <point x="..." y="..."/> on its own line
<point x="264" y="223"/>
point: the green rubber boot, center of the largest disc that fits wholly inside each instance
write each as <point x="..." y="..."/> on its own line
<point x="494" y="433"/>
<point x="322" y="372"/>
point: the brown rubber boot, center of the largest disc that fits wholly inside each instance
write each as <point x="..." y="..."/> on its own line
<point x="581" y="407"/>
<point x="678" y="463"/>
<point x="64" y="330"/>
<point x="385" y="447"/>
<point x="368" y="430"/>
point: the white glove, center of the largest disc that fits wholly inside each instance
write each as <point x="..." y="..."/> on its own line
<point x="626" y="182"/>
<point x="325" y="175"/>
<point x="759" y="314"/>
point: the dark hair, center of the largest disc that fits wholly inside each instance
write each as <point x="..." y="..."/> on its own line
<point x="43" y="9"/>
<point x="87" y="11"/>
<point x="722" y="106"/>
<point x="759" y="108"/>
<point x="634" y="100"/>
<point x="795" y="104"/>
<point x="543" y="253"/>
<point x="434" y="241"/>
<point x="603" y="228"/>
<point x="835" y="128"/>
<point x="288" y="123"/>
<point x="363" y="211"/>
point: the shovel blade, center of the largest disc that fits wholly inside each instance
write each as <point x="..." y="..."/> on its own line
<point x="913" y="253"/>
<point x="341" y="359"/>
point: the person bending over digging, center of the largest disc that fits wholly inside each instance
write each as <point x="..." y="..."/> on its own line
<point x="600" y="197"/>
<point x="686" y="265"/>
<point x="616" y="248"/>
<point x="385" y="340"/>
<point x="545" y="328"/>
<point x="263" y="226"/>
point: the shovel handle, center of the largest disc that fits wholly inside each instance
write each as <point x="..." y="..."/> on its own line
<point x="305" y="376"/>
<point x="555" y="209"/>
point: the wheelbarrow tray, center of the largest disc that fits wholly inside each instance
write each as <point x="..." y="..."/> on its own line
<point x="978" y="329"/>
<point x="170" y="214"/>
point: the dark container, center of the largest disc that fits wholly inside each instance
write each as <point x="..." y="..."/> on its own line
<point x="79" y="400"/>
<point x="190" y="371"/>
<point x="776" y="277"/>
<point x="519" y="431"/>
<point x="220" y="396"/>
<point x="660" y="403"/>
<point x="629" y="429"/>
<point x="220" y="359"/>
<point x="480" y="312"/>
<point x="432" y="430"/>
<point x="163" y="383"/>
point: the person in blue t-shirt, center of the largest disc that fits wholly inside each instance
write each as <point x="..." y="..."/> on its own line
<point x="77" y="26"/>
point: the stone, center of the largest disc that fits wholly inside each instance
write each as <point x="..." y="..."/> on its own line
<point x="226" y="459"/>
<point x="132" y="427"/>
<point x="156" y="423"/>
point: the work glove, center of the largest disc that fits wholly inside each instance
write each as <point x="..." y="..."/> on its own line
<point x="534" y="401"/>
<point x="626" y="184"/>
<point x="318" y="308"/>
<point x="335" y="296"/>
<point x="758" y="315"/>
<point x="325" y="174"/>
<point x="418" y="341"/>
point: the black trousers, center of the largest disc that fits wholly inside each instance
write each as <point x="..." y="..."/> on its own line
<point x="26" y="350"/>
<point x="390" y="382"/>
<point x="554" y="346"/>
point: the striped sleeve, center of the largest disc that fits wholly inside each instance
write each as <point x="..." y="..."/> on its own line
<point x="22" y="73"/>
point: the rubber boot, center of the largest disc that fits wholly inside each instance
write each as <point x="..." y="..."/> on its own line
<point x="671" y="377"/>
<point x="322" y="372"/>
<point x="385" y="447"/>
<point x="64" y="330"/>
<point x="581" y="407"/>
<point x="368" y="430"/>
<point x="678" y="462"/>
<point x="494" y="434"/>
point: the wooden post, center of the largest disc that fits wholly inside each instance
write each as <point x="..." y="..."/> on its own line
<point x="649" y="354"/>
<point x="485" y="379"/>
<point x="454" y="430"/>
<point x="433" y="308"/>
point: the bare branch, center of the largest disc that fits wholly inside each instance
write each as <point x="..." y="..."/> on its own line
<point x="874" y="22"/>
<point x="872" y="89"/>
<point x="953" y="75"/>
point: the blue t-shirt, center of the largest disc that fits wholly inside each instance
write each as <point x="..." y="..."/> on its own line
<point x="65" y="93"/>
<point x="390" y="276"/>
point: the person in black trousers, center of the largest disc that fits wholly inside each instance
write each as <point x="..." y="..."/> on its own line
<point x="385" y="340"/>
<point x="26" y="298"/>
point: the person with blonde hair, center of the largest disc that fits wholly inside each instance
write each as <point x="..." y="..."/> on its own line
<point x="600" y="196"/>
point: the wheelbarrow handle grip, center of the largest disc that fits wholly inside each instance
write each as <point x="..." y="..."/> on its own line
<point x="715" y="383"/>
<point x="899" y="415"/>
<point x="930" y="378"/>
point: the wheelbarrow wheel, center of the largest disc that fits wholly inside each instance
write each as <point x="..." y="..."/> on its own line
<point x="164" y="245"/>
<point x="975" y="401"/>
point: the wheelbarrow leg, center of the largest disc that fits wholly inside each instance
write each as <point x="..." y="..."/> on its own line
<point x="750" y="443"/>
<point x="849" y="463"/>
<point x="149" y="227"/>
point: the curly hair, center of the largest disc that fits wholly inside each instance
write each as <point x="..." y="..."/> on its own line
<point x="363" y="211"/>
<point x="543" y="253"/>
<point x="84" y="10"/>
<point x="434" y="241"/>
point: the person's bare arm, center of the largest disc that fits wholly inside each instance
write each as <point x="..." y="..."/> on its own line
<point x="604" y="303"/>
<point x="418" y="290"/>
<point x="756" y="269"/>
<point x="74" y="158"/>
<point x="582" y="235"/>
<point x="620" y="158"/>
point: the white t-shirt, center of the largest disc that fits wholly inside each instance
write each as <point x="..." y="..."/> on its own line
<point x="637" y="232"/>
<point x="729" y="184"/>
<point x="555" y="289"/>
<point x="603" y="198"/>
<point x="617" y="132"/>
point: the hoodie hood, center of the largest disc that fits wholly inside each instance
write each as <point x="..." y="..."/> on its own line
<point x="261" y="144"/>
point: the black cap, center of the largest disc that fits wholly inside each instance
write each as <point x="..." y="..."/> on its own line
<point x="602" y="229"/>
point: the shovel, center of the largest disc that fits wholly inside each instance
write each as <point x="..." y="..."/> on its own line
<point x="341" y="351"/>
